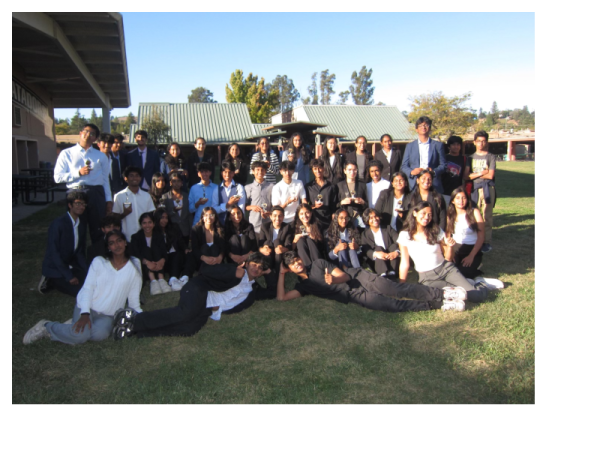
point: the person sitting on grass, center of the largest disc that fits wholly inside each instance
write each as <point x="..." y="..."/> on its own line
<point x="424" y="192"/>
<point x="108" y="223"/>
<point x="112" y="280"/>
<point x="64" y="267"/>
<point x="220" y="289"/>
<point x="275" y="239"/>
<point x="323" y="279"/>
<point x="149" y="247"/>
<point x="423" y="241"/>
<point x="343" y="240"/>
<point x="464" y="224"/>
<point x="239" y="235"/>
<point x="308" y="240"/>
<point x="208" y="240"/>
<point x="380" y="246"/>
<point x="177" y="252"/>
<point x="393" y="203"/>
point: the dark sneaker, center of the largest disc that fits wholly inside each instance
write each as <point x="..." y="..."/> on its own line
<point x="123" y="316"/>
<point x="486" y="248"/>
<point x="121" y="332"/>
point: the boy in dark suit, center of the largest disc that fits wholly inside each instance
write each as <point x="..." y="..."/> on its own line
<point x="64" y="266"/>
<point x="143" y="157"/>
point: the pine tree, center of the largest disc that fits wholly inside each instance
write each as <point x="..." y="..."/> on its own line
<point x="362" y="87"/>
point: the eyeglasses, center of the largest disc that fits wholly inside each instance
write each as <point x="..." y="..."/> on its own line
<point x="210" y="216"/>
<point x="91" y="133"/>
<point x="423" y="125"/>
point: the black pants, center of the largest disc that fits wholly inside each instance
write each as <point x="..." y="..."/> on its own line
<point x="176" y="264"/>
<point x="381" y="266"/>
<point x="308" y="251"/>
<point x="94" y="211"/>
<point x="380" y="294"/>
<point x="192" y="264"/>
<point x="462" y="252"/>
<point x="241" y="245"/>
<point x="62" y="285"/>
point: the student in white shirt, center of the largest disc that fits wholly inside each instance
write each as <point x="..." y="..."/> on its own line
<point x="223" y="288"/>
<point x="111" y="281"/>
<point x="288" y="192"/>
<point x="132" y="202"/>
<point x="424" y="242"/>
<point x="377" y="185"/>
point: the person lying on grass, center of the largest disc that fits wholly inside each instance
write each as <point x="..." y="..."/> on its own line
<point x="112" y="280"/>
<point x="324" y="279"/>
<point x="220" y="288"/>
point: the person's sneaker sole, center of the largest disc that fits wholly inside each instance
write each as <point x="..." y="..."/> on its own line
<point x="37" y="332"/>
<point x="458" y="306"/>
<point x="121" y="332"/>
<point x="455" y="293"/>
<point x="123" y="316"/>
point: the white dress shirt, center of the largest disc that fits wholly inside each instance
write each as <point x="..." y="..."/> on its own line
<point x="282" y="191"/>
<point x="106" y="289"/>
<point x="374" y="189"/>
<point x="140" y="203"/>
<point x="233" y="189"/>
<point x="230" y="298"/>
<point x="75" y="230"/>
<point x="71" y="159"/>
<point x="424" y="153"/>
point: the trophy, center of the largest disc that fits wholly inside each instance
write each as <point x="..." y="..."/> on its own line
<point x="353" y="193"/>
<point x="178" y="205"/>
<point x="127" y="203"/>
<point x="303" y="230"/>
<point x="180" y="165"/>
<point x="320" y="198"/>
<point x="203" y="191"/>
<point x="264" y="206"/>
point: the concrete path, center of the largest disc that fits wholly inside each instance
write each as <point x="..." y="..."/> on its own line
<point x="20" y="211"/>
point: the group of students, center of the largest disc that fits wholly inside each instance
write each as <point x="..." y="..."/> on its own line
<point x="357" y="209"/>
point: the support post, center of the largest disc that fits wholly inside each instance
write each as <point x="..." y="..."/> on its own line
<point x="105" y="120"/>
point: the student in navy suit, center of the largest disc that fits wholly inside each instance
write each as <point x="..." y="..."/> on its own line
<point x="64" y="266"/>
<point x="117" y="155"/>
<point x="424" y="153"/>
<point x="145" y="158"/>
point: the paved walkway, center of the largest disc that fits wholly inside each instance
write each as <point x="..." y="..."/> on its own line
<point x="20" y="211"/>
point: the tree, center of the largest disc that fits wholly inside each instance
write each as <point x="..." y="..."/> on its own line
<point x="201" y="95"/>
<point x="77" y="122"/>
<point x="284" y="92"/>
<point x="494" y="109"/>
<point x="62" y="128"/>
<point x="313" y="93"/>
<point x="252" y="92"/>
<point x="450" y="115"/>
<point x="361" y="89"/>
<point x="343" y="97"/>
<point x="481" y="114"/>
<point x="158" y="130"/>
<point x="326" y="87"/>
<point x="95" y="119"/>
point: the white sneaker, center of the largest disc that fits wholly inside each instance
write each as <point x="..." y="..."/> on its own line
<point x="164" y="286"/>
<point x="175" y="284"/>
<point x="490" y="283"/>
<point x="184" y="279"/>
<point x="155" y="288"/>
<point x="37" y="332"/>
<point x="471" y="281"/>
<point x="455" y="293"/>
<point x="453" y="305"/>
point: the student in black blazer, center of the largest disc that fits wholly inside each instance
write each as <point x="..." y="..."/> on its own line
<point x="241" y="168"/>
<point x="392" y="165"/>
<point x="361" y="150"/>
<point x="383" y="259"/>
<point x="424" y="191"/>
<point x="273" y="247"/>
<point x="334" y="161"/>
<point x="176" y="203"/>
<point x="134" y="158"/>
<point x="64" y="266"/>
<point x="208" y="240"/>
<point x="117" y="165"/>
<point x="239" y="236"/>
<point x="354" y="200"/>
<point x="392" y="204"/>
<point x="154" y="256"/>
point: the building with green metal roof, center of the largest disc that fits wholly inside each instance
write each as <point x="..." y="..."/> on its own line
<point x="352" y="121"/>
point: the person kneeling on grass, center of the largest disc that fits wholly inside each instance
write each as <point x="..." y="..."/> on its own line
<point x="111" y="280"/>
<point x="324" y="279"/>
<point x="221" y="288"/>
<point x="423" y="242"/>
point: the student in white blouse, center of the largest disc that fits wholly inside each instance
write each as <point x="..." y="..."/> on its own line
<point x="111" y="281"/>
<point x="288" y="193"/>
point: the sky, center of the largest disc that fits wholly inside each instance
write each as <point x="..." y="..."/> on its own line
<point x="490" y="55"/>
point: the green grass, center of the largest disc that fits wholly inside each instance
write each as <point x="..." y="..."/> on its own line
<point x="310" y="350"/>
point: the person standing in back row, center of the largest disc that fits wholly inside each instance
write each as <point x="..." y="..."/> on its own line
<point x="144" y="158"/>
<point x="86" y="169"/>
<point x="483" y="173"/>
<point x="424" y="153"/>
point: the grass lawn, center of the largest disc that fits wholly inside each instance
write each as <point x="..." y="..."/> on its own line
<point x="309" y="350"/>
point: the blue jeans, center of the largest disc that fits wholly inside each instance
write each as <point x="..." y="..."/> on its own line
<point x="65" y="333"/>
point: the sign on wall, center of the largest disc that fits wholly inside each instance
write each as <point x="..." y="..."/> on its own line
<point x="29" y="100"/>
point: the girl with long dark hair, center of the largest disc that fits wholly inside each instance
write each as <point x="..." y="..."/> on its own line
<point x="343" y="240"/>
<point x="158" y="188"/>
<point x="149" y="247"/>
<point x="334" y="161"/>
<point x="425" y="242"/>
<point x="308" y="239"/>
<point x="208" y="239"/>
<point x="176" y="246"/>
<point x="394" y="202"/>
<point x="361" y="157"/>
<point x="111" y="281"/>
<point x="239" y="235"/>
<point x="424" y="192"/>
<point x="234" y="156"/>
<point x="298" y="153"/>
<point x="265" y="153"/>
<point x="176" y="202"/>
